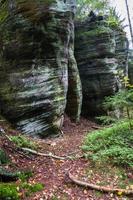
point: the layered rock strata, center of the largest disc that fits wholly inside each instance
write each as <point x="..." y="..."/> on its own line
<point x="101" y="52"/>
<point x="36" y="59"/>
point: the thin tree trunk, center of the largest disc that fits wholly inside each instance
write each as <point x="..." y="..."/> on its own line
<point x="130" y="25"/>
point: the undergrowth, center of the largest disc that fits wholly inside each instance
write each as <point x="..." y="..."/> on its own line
<point x="12" y="191"/>
<point x="22" y="141"/>
<point x="113" y="144"/>
<point x="20" y="189"/>
<point x="8" y="191"/>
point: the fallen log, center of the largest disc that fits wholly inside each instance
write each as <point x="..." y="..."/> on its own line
<point x="99" y="188"/>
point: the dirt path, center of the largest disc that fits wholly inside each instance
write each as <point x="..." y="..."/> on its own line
<point x="54" y="173"/>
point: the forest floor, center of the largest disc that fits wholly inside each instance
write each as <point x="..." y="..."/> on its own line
<point x="53" y="173"/>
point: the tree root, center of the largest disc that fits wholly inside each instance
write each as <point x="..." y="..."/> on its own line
<point x="33" y="151"/>
<point x="44" y="154"/>
<point x="99" y="188"/>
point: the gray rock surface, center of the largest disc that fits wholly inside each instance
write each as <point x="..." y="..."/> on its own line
<point x="101" y="52"/>
<point x="130" y="67"/>
<point x="36" y="58"/>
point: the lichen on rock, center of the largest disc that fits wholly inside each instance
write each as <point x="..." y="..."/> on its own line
<point x="34" y="58"/>
<point x="101" y="51"/>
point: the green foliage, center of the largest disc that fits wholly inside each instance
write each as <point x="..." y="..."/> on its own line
<point x="85" y="6"/>
<point x="8" y="191"/>
<point x="24" y="176"/>
<point x="3" y="11"/>
<point x="22" y="141"/>
<point x="123" y="101"/>
<point x="35" y="188"/>
<point x="120" y="104"/>
<point x="106" y="120"/>
<point x="29" y="189"/>
<point x="3" y="157"/>
<point x="54" y="198"/>
<point x="100" y="7"/>
<point x="98" y="31"/>
<point x="11" y="191"/>
<point x="114" y="19"/>
<point x="113" y="144"/>
<point x="119" y="155"/>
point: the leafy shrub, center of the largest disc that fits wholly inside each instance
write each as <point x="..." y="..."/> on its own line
<point x="34" y="188"/>
<point x="24" y="176"/>
<point x="114" y="19"/>
<point x="11" y="191"/>
<point x="29" y="189"/>
<point x="122" y="101"/>
<point x="106" y="120"/>
<point x="8" y="192"/>
<point x="113" y="144"/>
<point x="22" y="141"/>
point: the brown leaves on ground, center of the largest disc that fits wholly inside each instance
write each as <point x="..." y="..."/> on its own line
<point x="53" y="173"/>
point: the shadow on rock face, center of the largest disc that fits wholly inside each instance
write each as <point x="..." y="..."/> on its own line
<point x="36" y="51"/>
<point x="101" y="51"/>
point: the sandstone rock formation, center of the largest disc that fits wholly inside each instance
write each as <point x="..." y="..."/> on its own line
<point x="36" y="59"/>
<point x="130" y="67"/>
<point x="100" y="52"/>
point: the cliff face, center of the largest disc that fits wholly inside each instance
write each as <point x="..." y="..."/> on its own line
<point x="121" y="51"/>
<point x="130" y="67"/>
<point x="100" y="52"/>
<point x="36" y="59"/>
<point x="130" y="72"/>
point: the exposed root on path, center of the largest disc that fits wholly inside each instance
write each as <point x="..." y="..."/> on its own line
<point x="97" y="187"/>
<point x="46" y="155"/>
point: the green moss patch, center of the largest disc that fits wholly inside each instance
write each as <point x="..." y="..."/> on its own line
<point x="113" y="145"/>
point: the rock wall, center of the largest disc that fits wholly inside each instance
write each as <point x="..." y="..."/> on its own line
<point x="130" y="67"/>
<point x="121" y="51"/>
<point x="36" y="59"/>
<point x="100" y="51"/>
<point x="130" y="72"/>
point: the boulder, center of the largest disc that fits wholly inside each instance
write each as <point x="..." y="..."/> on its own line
<point x="100" y="52"/>
<point x="36" y="59"/>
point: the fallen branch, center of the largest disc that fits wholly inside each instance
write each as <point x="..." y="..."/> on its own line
<point x="100" y="188"/>
<point x="44" y="154"/>
<point x="35" y="152"/>
<point x="74" y="152"/>
<point x="95" y="127"/>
